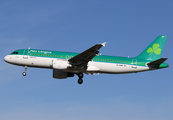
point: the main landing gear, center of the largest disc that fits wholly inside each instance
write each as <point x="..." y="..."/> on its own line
<point x="80" y="80"/>
<point x="24" y="73"/>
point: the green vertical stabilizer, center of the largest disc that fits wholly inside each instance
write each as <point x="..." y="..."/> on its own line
<point x="154" y="50"/>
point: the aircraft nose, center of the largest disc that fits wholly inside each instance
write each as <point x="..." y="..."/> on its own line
<point x="7" y="58"/>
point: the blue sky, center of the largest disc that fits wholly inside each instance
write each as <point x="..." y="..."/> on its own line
<point x="128" y="27"/>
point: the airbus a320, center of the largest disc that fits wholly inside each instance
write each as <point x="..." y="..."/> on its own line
<point x="68" y="64"/>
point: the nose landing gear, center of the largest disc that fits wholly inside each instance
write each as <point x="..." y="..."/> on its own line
<point x="80" y="80"/>
<point x="24" y="73"/>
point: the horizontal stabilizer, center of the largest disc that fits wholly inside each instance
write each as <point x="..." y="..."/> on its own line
<point x="157" y="63"/>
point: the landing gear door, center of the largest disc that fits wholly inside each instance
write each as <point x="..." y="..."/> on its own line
<point x="134" y="63"/>
<point x="25" y="54"/>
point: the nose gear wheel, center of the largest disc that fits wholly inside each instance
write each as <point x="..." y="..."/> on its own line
<point x="24" y="73"/>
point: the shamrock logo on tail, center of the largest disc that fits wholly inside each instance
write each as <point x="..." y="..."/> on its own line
<point x="154" y="49"/>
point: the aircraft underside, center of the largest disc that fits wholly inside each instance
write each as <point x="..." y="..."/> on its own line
<point x="62" y="72"/>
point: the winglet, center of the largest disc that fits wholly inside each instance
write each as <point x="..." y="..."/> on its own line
<point x="103" y="44"/>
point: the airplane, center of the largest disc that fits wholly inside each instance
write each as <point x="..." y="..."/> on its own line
<point x="68" y="64"/>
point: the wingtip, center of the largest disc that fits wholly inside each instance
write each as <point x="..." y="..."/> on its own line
<point x="104" y="44"/>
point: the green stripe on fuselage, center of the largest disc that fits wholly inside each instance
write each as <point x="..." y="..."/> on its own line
<point x="67" y="55"/>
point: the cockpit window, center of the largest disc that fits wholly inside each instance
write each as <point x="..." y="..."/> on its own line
<point x="14" y="53"/>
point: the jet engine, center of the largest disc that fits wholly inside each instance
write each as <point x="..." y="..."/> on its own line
<point x="60" y="64"/>
<point x="61" y="74"/>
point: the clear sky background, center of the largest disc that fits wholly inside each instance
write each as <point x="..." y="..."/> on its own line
<point x="128" y="27"/>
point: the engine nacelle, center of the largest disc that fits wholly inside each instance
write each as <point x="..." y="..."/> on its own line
<point x="60" y="64"/>
<point x="61" y="74"/>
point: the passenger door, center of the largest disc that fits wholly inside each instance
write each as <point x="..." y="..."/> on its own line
<point x="25" y="54"/>
<point x="134" y="63"/>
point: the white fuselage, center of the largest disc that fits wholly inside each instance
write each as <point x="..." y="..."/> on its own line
<point x="93" y="67"/>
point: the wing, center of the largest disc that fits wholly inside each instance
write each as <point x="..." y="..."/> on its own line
<point x="82" y="59"/>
